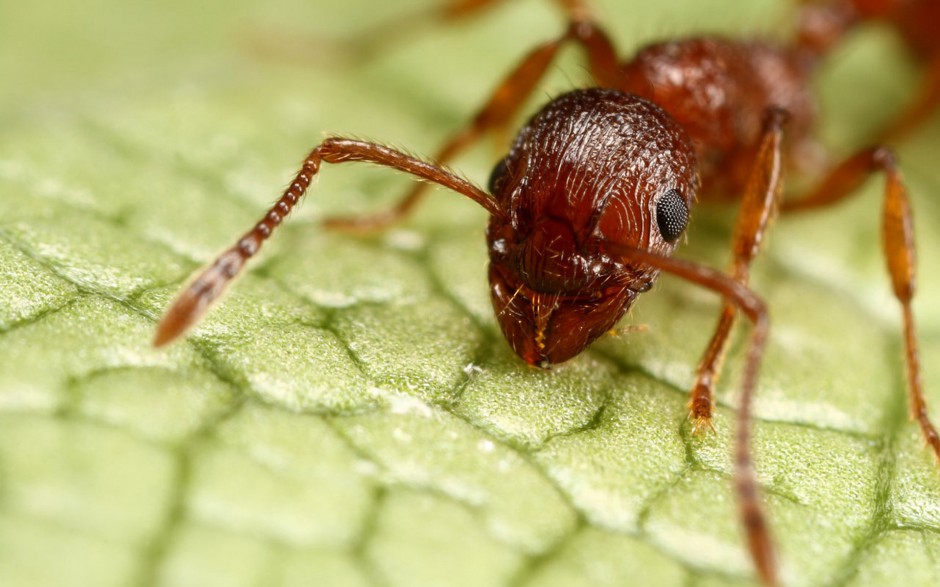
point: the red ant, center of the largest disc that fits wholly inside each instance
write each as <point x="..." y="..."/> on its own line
<point x="589" y="204"/>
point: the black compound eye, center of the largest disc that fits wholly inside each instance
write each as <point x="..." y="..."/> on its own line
<point x="496" y="176"/>
<point x="672" y="215"/>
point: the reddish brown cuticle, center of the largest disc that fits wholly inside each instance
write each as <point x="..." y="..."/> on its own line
<point x="575" y="230"/>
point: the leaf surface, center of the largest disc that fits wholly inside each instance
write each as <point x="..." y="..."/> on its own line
<point x="350" y="414"/>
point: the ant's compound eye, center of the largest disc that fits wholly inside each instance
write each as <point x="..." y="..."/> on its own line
<point x="672" y="215"/>
<point x="496" y="175"/>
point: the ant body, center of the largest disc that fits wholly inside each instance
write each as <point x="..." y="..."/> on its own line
<point x="589" y="204"/>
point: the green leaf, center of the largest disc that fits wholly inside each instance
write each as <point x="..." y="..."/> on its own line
<point x="350" y="415"/>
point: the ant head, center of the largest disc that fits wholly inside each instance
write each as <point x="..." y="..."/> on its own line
<point x="593" y="168"/>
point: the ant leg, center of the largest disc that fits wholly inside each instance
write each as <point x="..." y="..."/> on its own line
<point x="822" y="25"/>
<point x="456" y="9"/>
<point x="500" y="109"/>
<point x="746" y="301"/>
<point x="405" y="26"/>
<point x="399" y="29"/>
<point x="202" y="291"/>
<point x="367" y="43"/>
<point x="758" y="209"/>
<point x="919" y="110"/>
<point x="898" y="247"/>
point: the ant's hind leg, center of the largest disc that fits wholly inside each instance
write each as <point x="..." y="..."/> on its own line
<point x="925" y="103"/>
<point x="898" y="246"/>
<point x="500" y="109"/>
<point x="758" y="209"/>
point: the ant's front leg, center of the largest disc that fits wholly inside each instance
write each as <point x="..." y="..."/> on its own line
<point x="737" y="295"/>
<point x="758" y="209"/>
<point x="500" y="110"/>
<point x="898" y="246"/>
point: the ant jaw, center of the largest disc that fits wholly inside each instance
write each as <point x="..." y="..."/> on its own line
<point x="547" y="329"/>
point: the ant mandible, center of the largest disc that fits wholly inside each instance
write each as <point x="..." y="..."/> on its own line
<point x="589" y="204"/>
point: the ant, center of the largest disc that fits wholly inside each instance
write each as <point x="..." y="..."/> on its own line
<point x="597" y="188"/>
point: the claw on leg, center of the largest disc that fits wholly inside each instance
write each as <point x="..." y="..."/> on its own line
<point x="700" y="410"/>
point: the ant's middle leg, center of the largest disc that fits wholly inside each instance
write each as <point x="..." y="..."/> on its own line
<point x="925" y="103"/>
<point x="898" y="247"/>
<point x="758" y="209"/>
<point x="823" y="25"/>
<point x="501" y="108"/>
